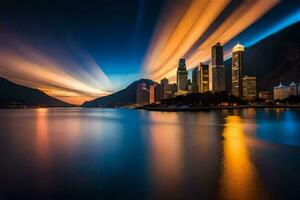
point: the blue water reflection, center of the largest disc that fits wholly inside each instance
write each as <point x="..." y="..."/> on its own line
<point x="129" y="154"/>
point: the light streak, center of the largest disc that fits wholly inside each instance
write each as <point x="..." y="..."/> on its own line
<point x="72" y="78"/>
<point x="246" y="13"/>
<point x="197" y="18"/>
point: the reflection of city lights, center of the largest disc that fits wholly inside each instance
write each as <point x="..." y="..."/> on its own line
<point x="42" y="140"/>
<point x="239" y="178"/>
<point x="162" y="59"/>
<point x="166" y="153"/>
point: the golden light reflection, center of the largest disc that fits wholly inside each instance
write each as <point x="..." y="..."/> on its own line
<point x="239" y="179"/>
<point x="166" y="153"/>
<point x="42" y="137"/>
<point x="161" y="60"/>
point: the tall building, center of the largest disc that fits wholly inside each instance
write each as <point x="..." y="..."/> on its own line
<point x="281" y="92"/>
<point x="167" y="90"/>
<point x="237" y="70"/>
<point x="249" y="87"/>
<point x="182" y="76"/>
<point x="203" y="78"/>
<point x="142" y="94"/>
<point x="152" y="94"/>
<point x="217" y="69"/>
<point x="196" y="80"/>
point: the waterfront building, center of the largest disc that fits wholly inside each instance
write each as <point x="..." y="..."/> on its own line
<point x="167" y="90"/>
<point x="196" y="80"/>
<point x="249" y="87"/>
<point x="217" y="69"/>
<point x="237" y="70"/>
<point x="281" y="92"/>
<point x="266" y="95"/>
<point x="182" y="76"/>
<point x="203" y="78"/>
<point x="142" y="94"/>
<point x="152" y="98"/>
<point x="294" y="89"/>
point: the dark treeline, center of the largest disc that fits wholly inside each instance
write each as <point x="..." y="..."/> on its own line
<point x="290" y="100"/>
<point x="207" y="99"/>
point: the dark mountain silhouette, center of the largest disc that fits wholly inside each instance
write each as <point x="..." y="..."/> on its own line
<point x="13" y="95"/>
<point x="121" y="98"/>
<point x="276" y="56"/>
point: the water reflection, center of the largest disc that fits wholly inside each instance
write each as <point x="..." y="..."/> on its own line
<point x="239" y="179"/>
<point x="42" y="138"/>
<point x="166" y="155"/>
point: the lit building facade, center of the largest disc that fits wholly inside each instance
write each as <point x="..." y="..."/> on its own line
<point x="249" y="87"/>
<point x="182" y="76"/>
<point x="237" y="70"/>
<point x="203" y="78"/>
<point x="152" y="95"/>
<point x="217" y="69"/>
<point x="167" y="90"/>
<point x="281" y="92"/>
<point x="266" y="95"/>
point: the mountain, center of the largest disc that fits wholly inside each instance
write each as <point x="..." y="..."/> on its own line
<point x="121" y="98"/>
<point x="276" y="56"/>
<point x="13" y="95"/>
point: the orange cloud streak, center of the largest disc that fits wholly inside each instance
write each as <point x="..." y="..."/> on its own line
<point x="165" y="65"/>
<point x="198" y="17"/>
<point x="69" y="82"/>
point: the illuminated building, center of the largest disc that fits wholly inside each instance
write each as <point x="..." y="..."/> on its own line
<point x="167" y="90"/>
<point x="266" y="95"/>
<point x="182" y="76"/>
<point x="237" y="70"/>
<point x="204" y="77"/>
<point x="281" y="92"/>
<point x="152" y="95"/>
<point x="196" y="80"/>
<point x="142" y="94"/>
<point x="249" y="87"/>
<point x="217" y="69"/>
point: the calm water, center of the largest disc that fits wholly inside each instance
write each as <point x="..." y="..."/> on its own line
<point x="129" y="154"/>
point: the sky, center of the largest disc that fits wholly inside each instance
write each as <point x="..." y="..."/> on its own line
<point x="81" y="50"/>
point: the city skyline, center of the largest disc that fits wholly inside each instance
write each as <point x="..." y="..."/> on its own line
<point x="77" y="58"/>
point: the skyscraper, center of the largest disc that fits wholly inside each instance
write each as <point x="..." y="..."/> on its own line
<point x="142" y="94"/>
<point x="237" y="70"/>
<point x="152" y="98"/>
<point x="182" y="76"/>
<point x="204" y="77"/>
<point x="196" y="79"/>
<point x="249" y="87"/>
<point x="217" y="69"/>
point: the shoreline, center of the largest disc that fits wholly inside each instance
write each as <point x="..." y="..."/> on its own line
<point x="196" y="109"/>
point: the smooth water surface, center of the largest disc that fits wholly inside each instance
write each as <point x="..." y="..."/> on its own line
<point x="130" y="154"/>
